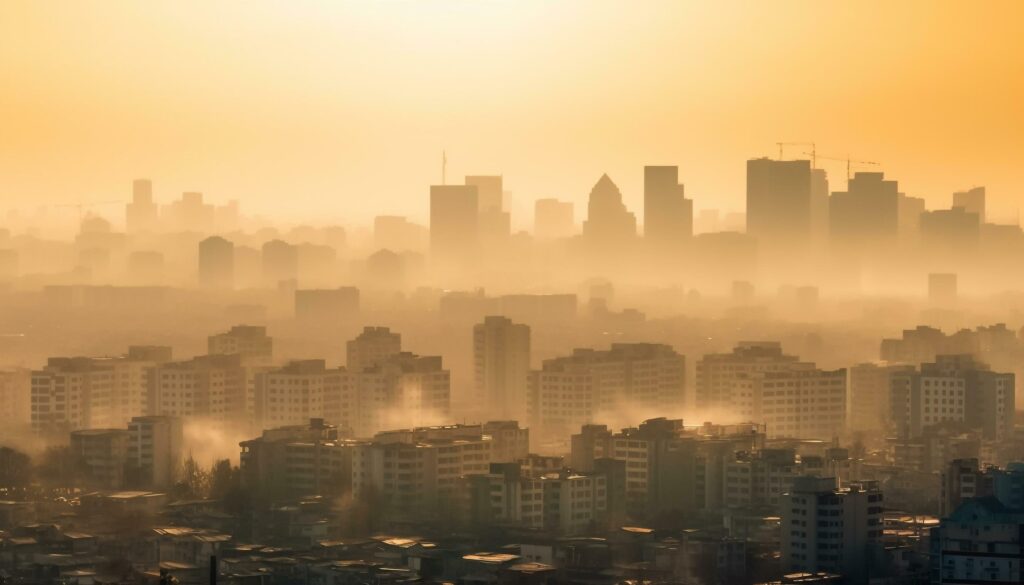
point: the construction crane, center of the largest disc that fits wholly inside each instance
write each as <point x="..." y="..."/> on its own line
<point x="82" y="206"/>
<point x="811" y="144"/>
<point x="849" y="162"/>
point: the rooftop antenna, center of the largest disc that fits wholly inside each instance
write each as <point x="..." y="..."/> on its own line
<point x="444" y="167"/>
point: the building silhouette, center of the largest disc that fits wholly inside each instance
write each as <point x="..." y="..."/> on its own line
<point x="972" y="201"/>
<point x="216" y="263"/>
<point x="279" y="261"/>
<point x="866" y="215"/>
<point x="610" y="229"/>
<point x="501" y="367"/>
<point x="454" y="228"/>
<point x="553" y="219"/>
<point x="142" y="213"/>
<point x="780" y="202"/>
<point x="668" y="214"/>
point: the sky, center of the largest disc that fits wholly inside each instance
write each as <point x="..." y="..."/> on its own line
<point x="339" y="110"/>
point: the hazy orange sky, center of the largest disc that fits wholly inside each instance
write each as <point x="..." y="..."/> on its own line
<point x="340" y="110"/>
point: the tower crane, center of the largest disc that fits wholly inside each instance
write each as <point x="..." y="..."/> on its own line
<point x="82" y="206"/>
<point x="811" y="144"/>
<point x="849" y="162"/>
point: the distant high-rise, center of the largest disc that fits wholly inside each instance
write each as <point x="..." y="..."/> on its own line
<point x="280" y="261"/>
<point x="141" y="213"/>
<point x="780" y="208"/>
<point x="553" y="219"/>
<point x="834" y="529"/>
<point x="867" y="213"/>
<point x="610" y="228"/>
<point x="956" y="388"/>
<point x="495" y="224"/>
<point x="454" y="226"/>
<point x="668" y="214"/>
<point x="372" y="348"/>
<point x="249" y="341"/>
<point x="216" y="263"/>
<point x="972" y="200"/>
<point x="501" y="359"/>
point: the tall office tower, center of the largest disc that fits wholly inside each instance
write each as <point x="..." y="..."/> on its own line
<point x="454" y="228"/>
<point x="501" y="361"/>
<point x="668" y="214"/>
<point x="249" y="341"/>
<point x="15" y="398"/>
<point x="942" y="289"/>
<point x="954" y="388"/>
<point x="154" y="451"/>
<point x="951" y="236"/>
<point x="212" y="388"/>
<point x="190" y="213"/>
<point x="779" y="202"/>
<point x="910" y="211"/>
<point x="819" y="206"/>
<point x="280" y="261"/>
<point x="553" y="219"/>
<point x="832" y="529"/>
<point x="865" y="217"/>
<point x="568" y="392"/>
<point x="868" y="401"/>
<point x="972" y="201"/>
<point x="304" y="390"/>
<point x="71" y="394"/>
<point x="372" y="348"/>
<point x="216" y="263"/>
<point x="495" y="223"/>
<point x="398" y="234"/>
<point x="141" y="214"/>
<point x="610" y="229"/>
<point x="717" y="374"/>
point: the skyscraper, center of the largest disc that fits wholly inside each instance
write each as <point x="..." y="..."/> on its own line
<point x="141" y="212"/>
<point x="216" y="263"/>
<point x="779" y="201"/>
<point x="867" y="213"/>
<point x="501" y="360"/>
<point x="972" y="200"/>
<point x="668" y="214"/>
<point x="495" y="224"/>
<point x="280" y="261"/>
<point x="610" y="228"/>
<point x="553" y="219"/>
<point x="454" y="226"/>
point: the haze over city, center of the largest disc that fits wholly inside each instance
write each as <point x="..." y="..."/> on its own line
<point x="495" y="292"/>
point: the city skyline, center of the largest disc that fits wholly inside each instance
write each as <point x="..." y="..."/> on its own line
<point x="206" y="98"/>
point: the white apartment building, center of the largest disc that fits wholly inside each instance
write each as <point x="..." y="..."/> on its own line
<point x="71" y="394"/>
<point x="953" y="388"/>
<point x="826" y="528"/>
<point x="571" y="391"/>
<point x="717" y="391"/>
<point x="303" y="390"/>
<point x="154" y="451"/>
<point x="212" y="387"/>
